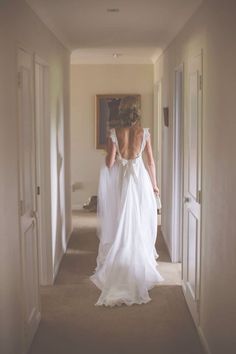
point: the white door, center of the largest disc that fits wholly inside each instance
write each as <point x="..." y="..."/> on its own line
<point x="28" y="221"/>
<point x="43" y="172"/>
<point x="177" y="190"/>
<point x="158" y="134"/>
<point x="192" y="188"/>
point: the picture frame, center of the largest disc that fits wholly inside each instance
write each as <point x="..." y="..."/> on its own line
<point x="106" y="115"/>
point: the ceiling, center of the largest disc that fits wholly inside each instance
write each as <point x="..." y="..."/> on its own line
<point x="137" y="33"/>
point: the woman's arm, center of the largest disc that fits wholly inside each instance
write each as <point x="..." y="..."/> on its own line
<point x="111" y="153"/>
<point x="151" y="165"/>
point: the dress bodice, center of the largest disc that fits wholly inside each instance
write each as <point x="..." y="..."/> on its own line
<point x="114" y="139"/>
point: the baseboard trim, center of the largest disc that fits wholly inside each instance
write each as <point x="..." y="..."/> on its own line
<point x="57" y="266"/>
<point x="56" y="269"/>
<point x="76" y="207"/>
<point x="203" y="340"/>
<point x="197" y="326"/>
<point x="28" y="341"/>
<point x="166" y="243"/>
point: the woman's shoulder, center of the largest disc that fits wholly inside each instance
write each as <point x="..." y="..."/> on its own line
<point x="146" y="132"/>
<point x="112" y="134"/>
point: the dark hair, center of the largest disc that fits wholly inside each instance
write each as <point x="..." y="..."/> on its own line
<point x="129" y="111"/>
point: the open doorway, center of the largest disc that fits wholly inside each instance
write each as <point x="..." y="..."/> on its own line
<point x="177" y="182"/>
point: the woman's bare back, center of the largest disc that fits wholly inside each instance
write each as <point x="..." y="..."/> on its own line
<point x="129" y="141"/>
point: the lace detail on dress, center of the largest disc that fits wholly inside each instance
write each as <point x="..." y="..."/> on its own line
<point x="112" y="135"/>
<point x="146" y="135"/>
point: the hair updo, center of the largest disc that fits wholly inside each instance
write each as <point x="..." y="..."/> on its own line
<point x="129" y="111"/>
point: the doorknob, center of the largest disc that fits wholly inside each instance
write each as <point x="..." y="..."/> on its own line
<point x="33" y="214"/>
<point x="187" y="199"/>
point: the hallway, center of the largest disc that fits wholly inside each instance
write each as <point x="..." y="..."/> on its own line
<point x="58" y="60"/>
<point x="71" y="324"/>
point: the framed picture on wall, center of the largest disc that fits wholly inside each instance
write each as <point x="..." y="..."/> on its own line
<point x="107" y="109"/>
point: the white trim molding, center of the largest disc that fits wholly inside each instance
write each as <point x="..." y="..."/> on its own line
<point x="203" y="340"/>
<point x="57" y="265"/>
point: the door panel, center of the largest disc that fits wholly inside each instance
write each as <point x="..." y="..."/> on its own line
<point x="193" y="137"/>
<point x="177" y="190"/>
<point x="192" y="250"/>
<point x="28" y="248"/>
<point x="157" y="141"/>
<point x="28" y="220"/>
<point x="43" y="172"/>
<point x="192" y="189"/>
<point x="26" y="130"/>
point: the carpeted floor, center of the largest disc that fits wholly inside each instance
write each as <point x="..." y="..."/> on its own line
<point x="71" y="324"/>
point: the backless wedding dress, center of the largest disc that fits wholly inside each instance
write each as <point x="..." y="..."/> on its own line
<point x="126" y="262"/>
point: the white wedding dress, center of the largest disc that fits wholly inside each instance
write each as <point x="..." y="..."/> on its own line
<point x="126" y="262"/>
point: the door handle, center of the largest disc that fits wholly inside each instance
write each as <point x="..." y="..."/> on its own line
<point x="187" y="199"/>
<point x="33" y="214"/>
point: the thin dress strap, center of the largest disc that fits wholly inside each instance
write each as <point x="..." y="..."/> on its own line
<point x="114" y="139"/>
<point x="112" y="135"/>
<point x="146" y="135"/>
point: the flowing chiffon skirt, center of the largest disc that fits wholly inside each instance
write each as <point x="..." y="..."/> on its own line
<point x="126" y="262"/>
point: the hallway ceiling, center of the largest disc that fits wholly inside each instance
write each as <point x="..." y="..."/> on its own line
<point x="138" y="32"/>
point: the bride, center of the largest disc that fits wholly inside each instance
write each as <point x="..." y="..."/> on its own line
<point x="126" y="262"/>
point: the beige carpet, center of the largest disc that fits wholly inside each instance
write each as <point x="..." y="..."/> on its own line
<point x="71" y="324"/>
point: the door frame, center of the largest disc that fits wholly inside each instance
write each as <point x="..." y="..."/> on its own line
<point x="195" y="311"/>
<point x="177" y="168"/>
<point x="26" y="337"/>
<point x="43" y="177"/>
<point x="157" y="128"/>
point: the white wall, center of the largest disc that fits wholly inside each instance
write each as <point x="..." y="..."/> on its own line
<point x="20" y="26"/>
<point x="86" y="82"/>
<point x="212" y="28"/>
